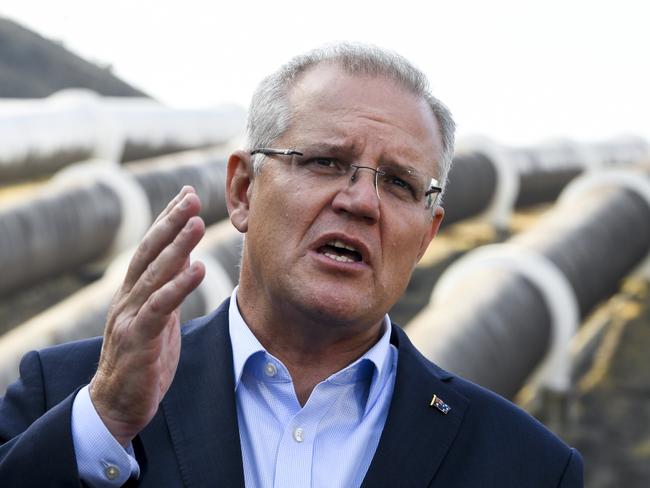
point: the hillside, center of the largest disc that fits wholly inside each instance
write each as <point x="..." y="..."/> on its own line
<point x="33" y="67"/>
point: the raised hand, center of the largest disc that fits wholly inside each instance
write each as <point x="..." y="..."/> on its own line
<point x="142" y="336"/>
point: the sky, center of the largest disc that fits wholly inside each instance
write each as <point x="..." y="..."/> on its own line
<point x="518" y="72"/>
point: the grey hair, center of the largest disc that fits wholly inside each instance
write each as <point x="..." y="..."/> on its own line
<point x="269" y="114"/>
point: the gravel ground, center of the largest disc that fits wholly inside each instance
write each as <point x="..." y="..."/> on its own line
<point x="610" y="420"/>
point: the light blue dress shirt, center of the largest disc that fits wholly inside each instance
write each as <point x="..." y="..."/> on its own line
<point x="329" y="442"/>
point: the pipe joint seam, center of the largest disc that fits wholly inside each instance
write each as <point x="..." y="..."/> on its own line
<point x="134" y="204"/>
<point x="554" y="372"/>
<point x="499" y="210"/>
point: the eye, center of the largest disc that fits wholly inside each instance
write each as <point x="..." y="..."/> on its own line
<point x="325" y="165"/>
<point x="324" y="162"/>
<point x="398" y="182"/>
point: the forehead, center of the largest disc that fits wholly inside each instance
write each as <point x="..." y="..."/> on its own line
<point x="362" y="112"/>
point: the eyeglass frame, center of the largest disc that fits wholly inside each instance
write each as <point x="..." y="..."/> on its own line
<point x="268" y="151"/>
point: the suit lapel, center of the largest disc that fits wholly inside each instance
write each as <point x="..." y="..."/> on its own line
<point x="200" y="407"/>
<point x="416" y="436"/>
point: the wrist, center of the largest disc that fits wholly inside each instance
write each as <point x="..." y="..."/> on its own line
<point x="122" y="431"/>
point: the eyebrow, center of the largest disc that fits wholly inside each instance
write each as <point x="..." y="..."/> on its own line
<point x="343" y="150"/>
<point x="325" y="147"/>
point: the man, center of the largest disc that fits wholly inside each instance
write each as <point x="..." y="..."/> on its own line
<point x="299" y="379"/>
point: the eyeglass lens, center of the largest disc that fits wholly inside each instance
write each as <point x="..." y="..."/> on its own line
<point x="401" y="185"/>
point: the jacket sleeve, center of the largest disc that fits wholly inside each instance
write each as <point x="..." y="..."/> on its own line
<point x="36" y="447"/>
<point x="572" y="476"/>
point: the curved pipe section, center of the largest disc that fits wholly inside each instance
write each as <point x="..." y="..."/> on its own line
<point x="471" y="187"/>
<point x="92" y="212"/>
<point x="490" y="181"/>
<point x="497" y="324"/>
<point x="162" y="178"/>
<point x="42" y="136"/>
<point x="58" y="231"/>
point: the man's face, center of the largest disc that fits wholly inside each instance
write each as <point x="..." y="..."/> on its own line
<point x="292" y="223"/>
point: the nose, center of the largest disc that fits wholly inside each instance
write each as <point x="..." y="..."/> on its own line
<point x="359" y="197"/>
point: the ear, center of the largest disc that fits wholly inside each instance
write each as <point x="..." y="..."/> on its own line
<point x="239" y="178"/>
<point x="438" y="215"/>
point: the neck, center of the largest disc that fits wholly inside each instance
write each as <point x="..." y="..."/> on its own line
<point x="312" y="349"/>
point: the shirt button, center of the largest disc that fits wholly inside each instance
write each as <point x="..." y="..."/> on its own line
<point x="111" y="472"/>
<point x="270" y="369"/>
<point x="299" y="435"/>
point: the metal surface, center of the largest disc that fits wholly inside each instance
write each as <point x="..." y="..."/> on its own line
<point x="41" y="136"/>
<point x="60" y="230"/>
<point x="595" y="242"/>
<point x="471" y="187"/>
<point x="543" y="186"/>
<point x="162" y="178"/>
<point x="494" y="331"/>
<point x="496" y="327"/>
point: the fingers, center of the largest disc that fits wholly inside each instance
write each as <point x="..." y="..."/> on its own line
<point x="167" y="299"/>
<point x="163" y="231"/>
<point x="170" y="262"/>
<point x="184" y="191"/>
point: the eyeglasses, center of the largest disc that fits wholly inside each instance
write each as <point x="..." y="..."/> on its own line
<point x="403" y="186"/>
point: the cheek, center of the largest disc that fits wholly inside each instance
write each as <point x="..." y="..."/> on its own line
<point x="402" y="246"/>
<point x="279" y="215"/>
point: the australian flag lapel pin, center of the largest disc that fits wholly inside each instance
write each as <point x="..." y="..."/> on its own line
<point x="438" y="403"/>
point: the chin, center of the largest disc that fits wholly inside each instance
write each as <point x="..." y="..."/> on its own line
<point x="338" y="307"/>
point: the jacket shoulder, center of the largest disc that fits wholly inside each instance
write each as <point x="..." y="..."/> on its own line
<point x="502" y="441"/>
<point x="64" y="367"/>
<point x="519" y="447"/>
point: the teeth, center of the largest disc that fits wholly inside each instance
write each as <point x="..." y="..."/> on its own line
<point x="341" y="259"/>
<point x="341" y="244"/>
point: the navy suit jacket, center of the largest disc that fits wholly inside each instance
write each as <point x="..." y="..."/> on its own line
<point x="193" y="440"/>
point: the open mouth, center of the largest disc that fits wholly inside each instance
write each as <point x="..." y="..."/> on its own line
<point x="341" y="252"/>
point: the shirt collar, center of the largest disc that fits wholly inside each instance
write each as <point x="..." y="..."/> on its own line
<point x="244" y="343"/>
<point x="382" y="355"/>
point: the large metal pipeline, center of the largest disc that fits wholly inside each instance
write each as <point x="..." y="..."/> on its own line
<point x="81" y="219"/>
<point x="476" y="184"/>
<point x="547" y="168"/>
<point x="162" y="177"/>
<point x="42" y="136"/>
<point x="492" y="181"/>
<point x="497" y="318"/>
<point x="471" y="187"/>
<point x="83" y="314"/>
<point x="150" y="129"/>
<point x="58" y="231"/>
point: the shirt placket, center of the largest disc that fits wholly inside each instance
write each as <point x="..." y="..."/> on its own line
<point x="294" y="462"/>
